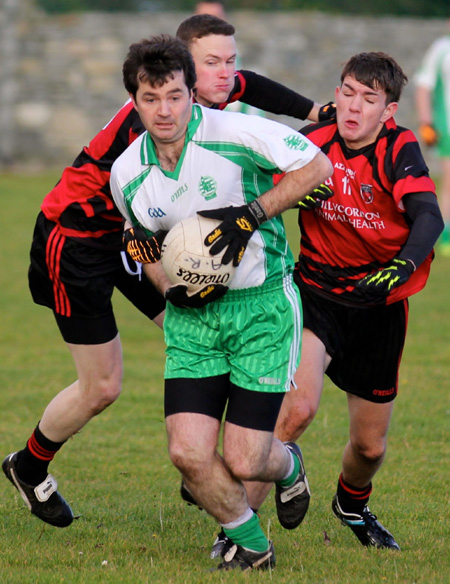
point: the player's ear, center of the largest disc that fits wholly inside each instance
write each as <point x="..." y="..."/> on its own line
<point x="389" y="111"/>
<point x="133" y="99"/>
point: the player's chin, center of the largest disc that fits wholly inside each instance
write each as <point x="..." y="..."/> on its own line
<point x="165" y="135"/>
<point x="220" y="96"/>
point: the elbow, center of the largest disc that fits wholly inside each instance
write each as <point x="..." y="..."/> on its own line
<point x="326" y="167"/>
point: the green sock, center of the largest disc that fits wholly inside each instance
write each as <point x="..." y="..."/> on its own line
<point x="290" y="480"/>
<point x="249" y="535"/>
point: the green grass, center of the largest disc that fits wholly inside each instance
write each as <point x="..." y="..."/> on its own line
<point x="117" y="476"/>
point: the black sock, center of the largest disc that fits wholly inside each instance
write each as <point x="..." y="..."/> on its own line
<point x="352" y="499"/>
<point x="33" y="460"/>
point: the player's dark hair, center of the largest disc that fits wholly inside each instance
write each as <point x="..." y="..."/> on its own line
<point x="154" y="60"/>
<point x="377" y="71"/>
<point x="201" y="25"/>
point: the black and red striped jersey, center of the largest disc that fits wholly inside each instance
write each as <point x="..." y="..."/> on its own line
<point x="364" y="224"/>
<point x="81" y="202"/>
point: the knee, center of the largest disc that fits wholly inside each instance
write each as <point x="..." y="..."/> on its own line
<point x="371" y="453"/>
<point x="245" y="469"/>
<point x="190" y="461"/>
<point x="103" y="393"/>
<point x="295" y="416"/>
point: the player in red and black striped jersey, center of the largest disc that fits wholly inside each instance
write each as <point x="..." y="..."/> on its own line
<point x="76" y="261"/>
<point x="363" y="252"/>
<point x="369" y="219"/>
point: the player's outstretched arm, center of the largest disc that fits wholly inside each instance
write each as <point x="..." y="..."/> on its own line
<point x="427" y="225"/>
<point x="275" y="98"/>
<point x="296" y="185"/>
<point x="239" y="223"/>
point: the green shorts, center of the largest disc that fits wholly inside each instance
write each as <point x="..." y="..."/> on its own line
<point x="253" y="334"/>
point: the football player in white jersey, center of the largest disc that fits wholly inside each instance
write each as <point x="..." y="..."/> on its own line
<point x="226" y="349"/>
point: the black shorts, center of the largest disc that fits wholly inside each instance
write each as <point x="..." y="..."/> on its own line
<point x="257" y="410"/>
<point x="77" y="282"/>
<point x="365" y="343"/>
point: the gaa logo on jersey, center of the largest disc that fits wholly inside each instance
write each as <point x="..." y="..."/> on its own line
<point x="295" y="142"/>
<point x="156" y="212"/>
<point x="366" y="193"/>
<point x="207" y="187"/>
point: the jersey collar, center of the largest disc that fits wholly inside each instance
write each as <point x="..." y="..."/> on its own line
<point x="148" y="151"/>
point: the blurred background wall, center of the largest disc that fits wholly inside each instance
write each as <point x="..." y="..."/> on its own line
<point x="60" y="75"/>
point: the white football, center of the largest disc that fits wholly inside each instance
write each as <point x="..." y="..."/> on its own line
<point x="186" y="260"/>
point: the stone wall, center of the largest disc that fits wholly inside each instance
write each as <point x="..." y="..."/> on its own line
<point x="60" y="76"/>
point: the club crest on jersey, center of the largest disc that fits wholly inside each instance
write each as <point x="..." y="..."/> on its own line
<point x="366" y="193"/>
<point x="207" y="187"/>
<point x="295" y="142"/>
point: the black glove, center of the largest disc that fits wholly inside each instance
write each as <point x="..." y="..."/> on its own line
<point x="314" y="199"/>
<point x="178" y="296"/>
<point x="393" y="275"/>
<point x="327" y="112"/>
<point x="141" y="247"/>
<point x="428" y="135"/>
<point x="238" y="225"/>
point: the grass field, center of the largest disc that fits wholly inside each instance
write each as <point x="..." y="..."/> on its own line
<point x="132" y="525"/>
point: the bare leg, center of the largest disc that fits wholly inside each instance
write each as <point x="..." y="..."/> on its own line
<point x="365" y="451"/>
<point x="216" y="482"/>
<point x="299" y="405"/>
<point x="99" y="382"/>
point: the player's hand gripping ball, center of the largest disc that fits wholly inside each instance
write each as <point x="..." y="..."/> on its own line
<point x="235" y="228"/>
<point x="198" y="277"/>
<point x="141" y="247"/>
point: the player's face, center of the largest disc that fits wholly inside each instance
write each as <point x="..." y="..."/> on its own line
<point x="165" y="111"/>
<point x="215" y="65"/>
<point x="361" y="112"/>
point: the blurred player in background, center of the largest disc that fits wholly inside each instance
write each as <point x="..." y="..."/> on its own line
<point x="211" y="7"/>
<point x="228" y="350"/>
<point x="433" y="108"/>
<point x="362" y="254"/>
<point x="77" y="262"/>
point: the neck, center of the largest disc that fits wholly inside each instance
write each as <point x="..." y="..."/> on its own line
<point x="203" y="102"/>
<point x="169" y="154"/>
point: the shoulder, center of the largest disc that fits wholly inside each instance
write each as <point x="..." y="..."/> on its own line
<point x="396" y="135"/>
<point x="237" y="123"/>
<point x="320" y="133"/>
<point x="130" y="158"/>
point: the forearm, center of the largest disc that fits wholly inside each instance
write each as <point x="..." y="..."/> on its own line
<point x="314" y="113"/>
<point x="427" y="225"/>
<point x="295" y="185"/>
<point x="157" y="276"/>
<point x="273" y="97"/>
<point x="424" y="234"/>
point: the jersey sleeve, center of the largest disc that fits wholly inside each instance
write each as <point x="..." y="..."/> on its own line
<point x="427" y="74"/>
<point x="267" y="95"/>
<point x="257" y="142"/>
<point x="81" y="201"/>
<point x="117" y="193"/>
<point x="270" y="96"/>
<point x="404" y="171"/>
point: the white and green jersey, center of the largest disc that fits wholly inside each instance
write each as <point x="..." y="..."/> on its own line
<point x="228" y="159"/>
<point x="434" y="74"/>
